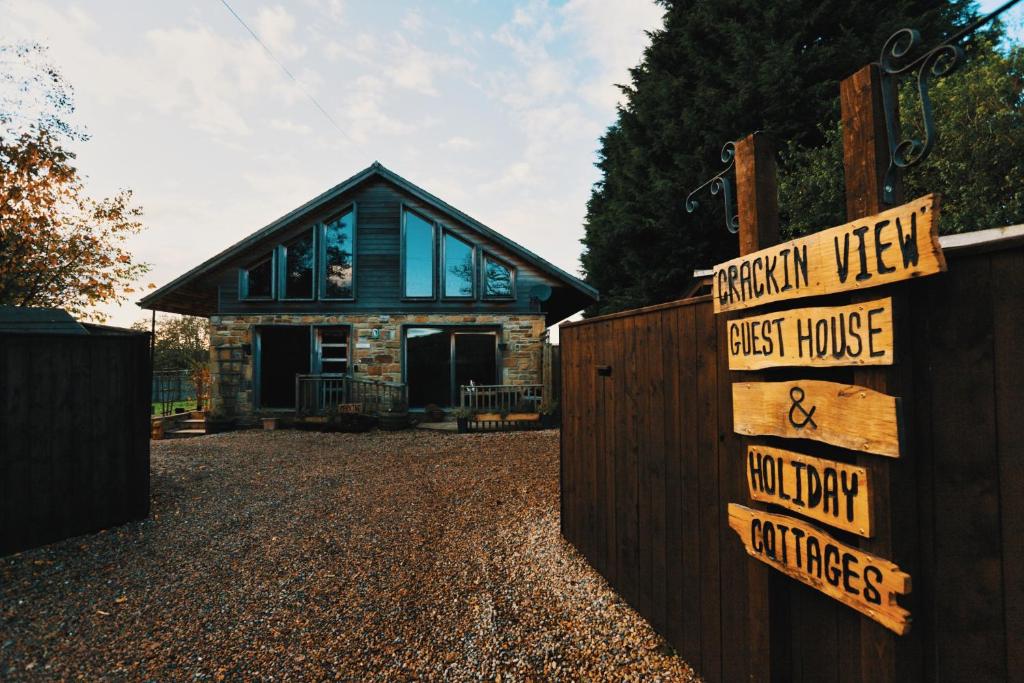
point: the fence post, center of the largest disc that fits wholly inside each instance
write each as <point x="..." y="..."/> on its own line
<point x="883" y="655"/>
<point x="757" y="206"/>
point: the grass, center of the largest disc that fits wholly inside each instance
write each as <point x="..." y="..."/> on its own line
<point x="187" y="405"/>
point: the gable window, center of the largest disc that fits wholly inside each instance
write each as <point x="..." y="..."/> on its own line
<point x="257" y="281"/>
<point x="338" y="257"/>
<point x="499" y="279"/>
<point x="298" y="267"/>
<point x="417" y="257"/>
<point x="458" y="268"/>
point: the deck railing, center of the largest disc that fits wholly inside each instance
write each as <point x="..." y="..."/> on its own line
<point x="320" y="394"/>
<point x="498" y="398"/>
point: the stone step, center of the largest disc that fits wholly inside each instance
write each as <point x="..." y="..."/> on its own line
<point x="193" y="423"/>
<point x="183" y="433"/>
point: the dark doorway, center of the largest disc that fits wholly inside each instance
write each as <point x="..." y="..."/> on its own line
<point x="475" y="360"/>
<point x="439" y="360"/>
<point x="284" y="353"/>
<point x="428" y="366"/>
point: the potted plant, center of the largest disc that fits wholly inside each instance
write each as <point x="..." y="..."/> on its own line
<point x="550" y="415"/>
<point x="395" y="415"/>
<point x="434" y="412"/>
<point x="462" y="418"/>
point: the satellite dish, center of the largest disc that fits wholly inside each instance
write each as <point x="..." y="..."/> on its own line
<point x="540" y="292"/>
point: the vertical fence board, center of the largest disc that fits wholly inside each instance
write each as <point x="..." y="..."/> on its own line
<point x="710" y="503"/>
<point x="672" y="488"/>
<point x="690" y="508"/>
<point x="1008" y="310"/>
<point x="968" y="537"/>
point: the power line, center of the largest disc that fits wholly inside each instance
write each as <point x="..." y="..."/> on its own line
<point x="288" y="72"/>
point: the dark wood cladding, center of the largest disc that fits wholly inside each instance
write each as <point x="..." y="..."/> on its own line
<point x="650" y="461"/>
<point x="378" y="265"/>
<point x="74" y="435"/>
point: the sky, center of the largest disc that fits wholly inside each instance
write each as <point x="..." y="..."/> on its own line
<point x="496" y="107"/>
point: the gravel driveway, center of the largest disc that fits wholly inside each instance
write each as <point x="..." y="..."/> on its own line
<point x="297" y="556"/>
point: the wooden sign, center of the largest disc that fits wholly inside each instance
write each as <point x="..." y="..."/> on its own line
<point x="840" y="414"/>
<point x="895" y="245"/>
<point x="831" y="492"/>
<point x="867" y="583"/>
<point x="859" y="334"/>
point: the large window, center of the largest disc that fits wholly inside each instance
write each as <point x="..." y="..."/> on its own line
<point x="298" y="267"/>
<point x="257" y="281"/>
<point x="338" y="257"/>
<point x="418" y="257"/>
<point x="499" y="279"/>
<point x="458" y="268"/>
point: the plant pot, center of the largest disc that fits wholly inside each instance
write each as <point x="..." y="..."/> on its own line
<point x="270" y="423"/>
<point x="463" y="423"/>
<point x="394" y="421"/>
<point x="552" y="421"/>
<point x="523" y="417"/>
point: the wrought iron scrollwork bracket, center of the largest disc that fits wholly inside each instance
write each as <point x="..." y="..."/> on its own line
<point x="940" y="61"/>
<point x="720" y="183"/>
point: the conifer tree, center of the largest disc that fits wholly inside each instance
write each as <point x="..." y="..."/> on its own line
<point x="717" y="71"/>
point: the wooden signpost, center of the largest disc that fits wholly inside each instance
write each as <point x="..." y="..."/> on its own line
<point x="859" y="334"/>
<point x="867" y="583"/>
<point x="895" y="245"/>
<point x="839" y="414"/>
<point x="831" y="492"/>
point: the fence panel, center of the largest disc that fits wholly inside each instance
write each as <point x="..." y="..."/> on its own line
<point x="74" y="435"/>
<point x="650" y="461"/>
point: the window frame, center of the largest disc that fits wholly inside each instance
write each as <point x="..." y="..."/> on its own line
<point x="243" y="278"/>
<point x="282" y="270"/>
<point x="405" y="210"/>
<point x="445" y="232"/>
<point x="488" y="256"/>
<point x="321" y="254"/>
<point x="316" y="358"/>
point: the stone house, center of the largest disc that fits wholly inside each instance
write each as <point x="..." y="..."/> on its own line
<point x="378" y="279"/>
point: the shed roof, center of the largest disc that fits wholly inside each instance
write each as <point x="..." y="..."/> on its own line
<point x="23" y="320"/>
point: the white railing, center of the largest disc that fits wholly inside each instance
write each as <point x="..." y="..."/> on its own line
<point x="502" y="398"/>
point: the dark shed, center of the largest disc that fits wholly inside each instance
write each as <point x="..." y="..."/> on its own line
<point x="74" y="427"/>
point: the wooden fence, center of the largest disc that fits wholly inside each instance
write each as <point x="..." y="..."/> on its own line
<point x="74" y="434"/>
<point x="650" y="462"/>
<point x="320" y="394"/>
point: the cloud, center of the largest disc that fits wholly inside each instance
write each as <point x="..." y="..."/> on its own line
<point x="276" y="27"/>
<point x="459" y="143"/>
<point x="290" y="127"/>
<point x="413" y="21"/>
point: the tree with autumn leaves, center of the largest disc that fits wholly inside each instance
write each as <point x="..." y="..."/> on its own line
<point x="59" y="247"/>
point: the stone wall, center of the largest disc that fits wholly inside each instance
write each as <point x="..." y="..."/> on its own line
<point x="232" y="368"/>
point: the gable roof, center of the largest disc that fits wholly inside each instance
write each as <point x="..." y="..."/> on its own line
<point x="376" y="169"/>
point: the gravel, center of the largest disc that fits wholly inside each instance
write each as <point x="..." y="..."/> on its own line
<point x="299" y="556"/>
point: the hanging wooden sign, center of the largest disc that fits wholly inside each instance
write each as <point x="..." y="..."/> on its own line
<point x="867" y="583"/>
<point x="859" y="334"/>
<point x="897" y="244"/>
<point x="831" y="492"/>
<point x="840" y="414"/>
